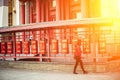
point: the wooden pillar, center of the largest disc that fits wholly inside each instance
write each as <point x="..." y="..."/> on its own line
<point x="31" y="12"/>
<point x="22" y="7"/>
<point x="95" y="8"/>
<point x="67" y="10"/>
<point x="58" y="10"/>
<point x="85" y="8"/>
<point x="38" y="11"/>
<point x="62" y="6"/>
<point x="14" y="45"/>
<point x="46" y="10"/>
<point x="62" y="9"/>
<point x="43" y="11"/>
<point x="27" y="12"/>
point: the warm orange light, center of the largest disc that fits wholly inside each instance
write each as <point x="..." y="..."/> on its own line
<point x="54" y="3"/>
<point x="110" y="8"/>
<point x="116" y="26"/>
<point x="75" y="0"/>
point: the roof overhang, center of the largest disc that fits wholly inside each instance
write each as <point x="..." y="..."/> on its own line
<point x="63" y="23"/>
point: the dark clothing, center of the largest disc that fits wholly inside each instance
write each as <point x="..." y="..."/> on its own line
<point x="77" y="57"/>
<point x="78" y="60"/>
<point x="77" y="52"/>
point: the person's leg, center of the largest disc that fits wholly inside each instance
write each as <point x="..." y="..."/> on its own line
<point x="81" y="64"/>
<point x="75" y="67"/>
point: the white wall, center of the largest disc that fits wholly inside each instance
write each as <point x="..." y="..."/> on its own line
<point x="1" y="13"/>
<point x="17" y="12"/>
<point x="3" y="16"/>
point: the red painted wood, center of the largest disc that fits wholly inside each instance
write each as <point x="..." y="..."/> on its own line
<point x="3" y="47"/>
<point x="42" y="44"/>
<point x="64" y="46"/>
<point x="9" y="47"/>
<point x="22" y="7"/>
<point x="47" y="11"/>
<point x="38" y="11"/>
<point x="42" y="11"/>
<point x="26" y="47"/>
<point x="54" y="46"/>
<point x="34" y="47"/>
<point x="31" y="14"/>
<point x="19" y="47"/>
<point x="85" y="21"/>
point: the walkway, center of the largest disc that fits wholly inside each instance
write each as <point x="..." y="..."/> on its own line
<point x="25" y="74"/>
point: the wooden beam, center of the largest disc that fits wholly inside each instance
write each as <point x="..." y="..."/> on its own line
<point x="86" y="21"/>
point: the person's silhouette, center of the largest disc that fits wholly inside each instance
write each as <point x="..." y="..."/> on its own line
<point x="77" y="57"/>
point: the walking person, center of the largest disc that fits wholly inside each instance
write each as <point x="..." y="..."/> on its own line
<point x="77" y="57"/>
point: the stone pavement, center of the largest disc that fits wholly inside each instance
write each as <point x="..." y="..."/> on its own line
<point x="25" y="74"/>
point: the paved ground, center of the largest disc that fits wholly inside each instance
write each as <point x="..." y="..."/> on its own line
<point x="20" y="74"/>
